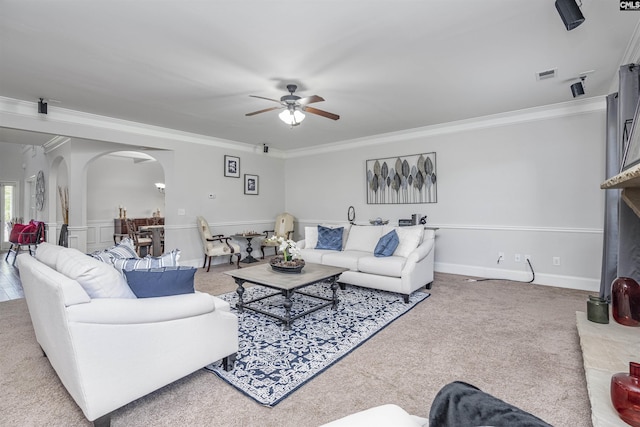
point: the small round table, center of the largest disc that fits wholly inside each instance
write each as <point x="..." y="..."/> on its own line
<point x="249" y="258"/>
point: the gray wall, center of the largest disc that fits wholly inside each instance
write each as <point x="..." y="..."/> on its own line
<point x="528" y="188"/>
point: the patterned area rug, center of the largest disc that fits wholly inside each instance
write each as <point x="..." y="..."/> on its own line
<point x="272" y="362"/>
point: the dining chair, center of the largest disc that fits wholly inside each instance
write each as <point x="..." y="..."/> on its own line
<point x="140" y="240"/>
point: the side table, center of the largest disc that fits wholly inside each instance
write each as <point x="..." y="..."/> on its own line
<point x="249" y="258"/>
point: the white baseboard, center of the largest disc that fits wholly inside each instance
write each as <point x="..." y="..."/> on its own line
<point x="570" y="282"/>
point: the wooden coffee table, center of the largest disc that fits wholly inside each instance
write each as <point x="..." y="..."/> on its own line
<point x="286" y="284"/>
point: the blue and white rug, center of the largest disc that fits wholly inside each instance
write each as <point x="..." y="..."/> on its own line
<point x="272" y="362"/>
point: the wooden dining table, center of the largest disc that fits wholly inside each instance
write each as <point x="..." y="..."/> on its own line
<point x="156" y="237"/>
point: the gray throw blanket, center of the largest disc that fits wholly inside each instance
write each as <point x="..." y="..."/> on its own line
<point x="459" y="404"/>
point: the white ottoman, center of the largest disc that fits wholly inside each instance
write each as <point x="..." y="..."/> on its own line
<point x="380" y="416"/>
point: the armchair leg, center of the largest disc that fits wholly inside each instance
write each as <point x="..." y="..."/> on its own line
<point x="229" y="361"/>
<point x="204" y="264"/>
<point x="209" y="266"/>
<point x="238" y="260"/>
<point x="103" y="421"/>
<point x="262" y="250"/>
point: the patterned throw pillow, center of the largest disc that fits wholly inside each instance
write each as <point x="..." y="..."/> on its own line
<point x="329" y="238"/>
<point x="387" y="244"/>
<point x="161" y="282"/>
<point x="124" y="249"/>
<point x="170" y="259"/>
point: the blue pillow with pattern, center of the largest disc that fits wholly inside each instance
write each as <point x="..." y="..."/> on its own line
<point x="161" y="282"/>
<point x="330" y="238"/>
<point x="387" y="244"/>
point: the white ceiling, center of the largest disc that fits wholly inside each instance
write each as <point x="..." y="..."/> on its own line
<point x="383" y="66"/>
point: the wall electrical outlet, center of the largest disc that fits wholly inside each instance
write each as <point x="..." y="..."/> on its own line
<point x="556" y="260"/>
<point x="212" y="196"/>
<point x="517" y="258"/>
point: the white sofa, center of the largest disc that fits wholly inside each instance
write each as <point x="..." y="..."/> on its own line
<point x="408" y="269"/>
<point x="112" y="350"/>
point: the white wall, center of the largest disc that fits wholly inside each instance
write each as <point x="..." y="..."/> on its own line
<point x="529" y="187"/>
<point x="113" y="181"/>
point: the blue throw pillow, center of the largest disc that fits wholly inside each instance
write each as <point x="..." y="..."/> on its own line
<point x="387" y="244"/>
<point x="161" y="282"/>
<point x="330" y="238"/>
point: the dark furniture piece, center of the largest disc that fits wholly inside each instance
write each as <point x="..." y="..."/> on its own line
<point x="286" y="285"/>
<point x="120" y="229"/>
<point x="249" y="258"/>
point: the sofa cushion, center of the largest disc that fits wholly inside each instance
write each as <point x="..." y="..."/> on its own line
<point x="329" y="238"/>
<point x="388" y="266"/>
<point x="99" y="280"/>
<point x="161" y="282"/>
<point x="346" y="259"/>
<point x="311" y="234"/>
<point x="363" y="238"/>
<point x="410" y="238"/>
<point x="47" y="253"/>
<point x="313" y="255"/>
<point x="387" y="244"/>
<point x="169" y="259"/>
<point x="124" y="249"/>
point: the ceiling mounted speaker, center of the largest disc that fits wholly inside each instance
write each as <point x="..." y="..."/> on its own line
<point x="42" y="106"/>
<point x="570" y="13"/>
<point x="577" y="89"/>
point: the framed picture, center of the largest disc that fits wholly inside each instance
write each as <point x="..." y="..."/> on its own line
<point x="250" y="184"/>
<point x="402" y="180"/>
<point x="232" y="166"/>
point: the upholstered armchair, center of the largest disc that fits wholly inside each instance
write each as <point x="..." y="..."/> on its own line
<point x="283" y="228"/>
<point x="216" y="245"/>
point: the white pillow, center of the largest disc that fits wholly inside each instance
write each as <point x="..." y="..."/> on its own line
<point x="363" y="238"/>
<point x="310" y="237"/>
<point x="99" y="280"/>
<point x="410" y="238"/>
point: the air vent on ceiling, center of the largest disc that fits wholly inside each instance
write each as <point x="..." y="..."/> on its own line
<point x="546" y="74"/>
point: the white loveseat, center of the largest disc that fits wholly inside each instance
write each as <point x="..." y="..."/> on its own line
<point x="112" y="350"/>
<point x="408" y="269"/>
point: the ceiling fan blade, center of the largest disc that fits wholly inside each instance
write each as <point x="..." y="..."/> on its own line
<point x="268" y="99"/>
<point x="310" y="99"/>
<point x="322" y="113"/>
<point x="263" y="111"/>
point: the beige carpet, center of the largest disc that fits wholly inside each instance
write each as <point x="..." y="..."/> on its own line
<point x="516" y="341"/>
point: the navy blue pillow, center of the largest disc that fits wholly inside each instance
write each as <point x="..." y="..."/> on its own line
<point x="387" y="244"/>
<point x="330" y="238"/>
<point x="161" y="282"/>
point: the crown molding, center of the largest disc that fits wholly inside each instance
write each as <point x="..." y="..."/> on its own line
<point x="563" y="109"/>
<point x="20" y="114"/>
<point x="60" y="119"/>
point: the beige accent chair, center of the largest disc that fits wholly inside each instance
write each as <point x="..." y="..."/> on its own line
<point x="216" y="245"/>
<point x="283" y="228"/>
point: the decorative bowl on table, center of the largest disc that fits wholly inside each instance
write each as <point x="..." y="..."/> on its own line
<point x="281" y="266"/>
<point x="378" y="221"/>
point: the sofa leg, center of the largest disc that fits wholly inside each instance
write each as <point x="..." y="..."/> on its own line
<point x="229" y="361"/>
<point x="428" y="285"/>
<point x="103" y="421"/>
<point x="343" y="286"/>
<point x="406" y="299"/>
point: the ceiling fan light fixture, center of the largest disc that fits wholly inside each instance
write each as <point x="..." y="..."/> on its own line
<point x="292" y="117"/>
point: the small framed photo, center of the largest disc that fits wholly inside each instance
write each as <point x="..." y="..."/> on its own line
<point x="232" y="166"/>
<point x="250" y="184"/>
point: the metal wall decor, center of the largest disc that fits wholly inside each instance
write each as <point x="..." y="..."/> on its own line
<point x="402" y="180"/>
